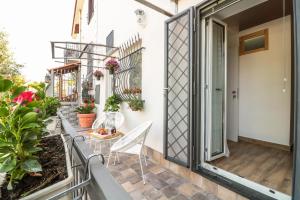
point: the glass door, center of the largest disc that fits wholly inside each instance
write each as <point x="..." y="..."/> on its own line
<point x="216" y="89"/>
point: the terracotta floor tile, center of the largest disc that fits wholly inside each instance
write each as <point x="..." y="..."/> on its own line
<point x="161" y="183"/>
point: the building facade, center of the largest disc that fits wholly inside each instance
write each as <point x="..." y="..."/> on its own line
<point x="215" y="77"/>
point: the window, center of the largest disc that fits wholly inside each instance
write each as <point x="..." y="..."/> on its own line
<point x="128" y="80"/>
<point x="109" y="42"/>
<point x="254" y="42"/>
<point x="91" y="10"/>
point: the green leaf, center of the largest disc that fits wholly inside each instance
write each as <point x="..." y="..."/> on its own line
<point x="5" y="85"/>
<point x="31" y="166"/>
<point x="4" y="112"/>
<point x="17" y="91"/>
<point x="34" y="104"/>
<point x="5" y="144"/>
<point x="31" y="125"/>
<point x="8" y="165"/>
<point x="34" y="149"/>
<point x="29" y="118"/>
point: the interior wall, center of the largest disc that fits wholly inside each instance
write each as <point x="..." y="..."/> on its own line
<point x="264" y="109"/>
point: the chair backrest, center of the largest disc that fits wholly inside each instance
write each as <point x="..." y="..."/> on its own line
<point x="99" y="121"/>
<point x="133" y="137"/>
<point x="119" y="120"/>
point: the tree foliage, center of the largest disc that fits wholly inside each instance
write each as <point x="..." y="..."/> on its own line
<point x="8" y="66"/>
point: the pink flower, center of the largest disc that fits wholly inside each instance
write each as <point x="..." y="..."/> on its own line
<point x="24" y="97"/>
<point x="112" y="64"/>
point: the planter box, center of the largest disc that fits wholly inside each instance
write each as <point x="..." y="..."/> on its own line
<point x="57" y="187"/>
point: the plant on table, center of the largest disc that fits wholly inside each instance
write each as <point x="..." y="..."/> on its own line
<point x="112" y="103"/>
<point x="112" y="65"/>
<point x="20" y="132"/>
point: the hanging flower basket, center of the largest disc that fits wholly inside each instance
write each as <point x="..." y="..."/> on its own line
<point x="98" y="74"/>
<point x="112" y="66"/>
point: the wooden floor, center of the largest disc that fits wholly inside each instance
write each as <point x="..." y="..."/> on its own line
<point x="264" y="165"/>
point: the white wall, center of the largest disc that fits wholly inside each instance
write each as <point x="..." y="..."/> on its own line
<point x="118" y="15"/>
<point x="185" y="4"/>
<point x="264" y="108"/>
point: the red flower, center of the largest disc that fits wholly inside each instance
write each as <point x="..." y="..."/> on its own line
<point x="24" y="97"/>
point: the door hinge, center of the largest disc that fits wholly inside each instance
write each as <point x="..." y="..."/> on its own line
<point x="193" y="153"/>
<point x="194" y="24"/>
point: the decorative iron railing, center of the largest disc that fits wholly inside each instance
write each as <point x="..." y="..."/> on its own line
<point x="128" y="79"/>
<point x="91" y="179"/>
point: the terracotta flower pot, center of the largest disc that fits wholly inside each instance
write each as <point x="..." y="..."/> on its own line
<point x="86" y="120"/>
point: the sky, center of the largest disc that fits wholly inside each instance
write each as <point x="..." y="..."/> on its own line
<point x="31" y="25"/>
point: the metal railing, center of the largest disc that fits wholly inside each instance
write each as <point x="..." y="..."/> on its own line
<point x="91" y="178"/>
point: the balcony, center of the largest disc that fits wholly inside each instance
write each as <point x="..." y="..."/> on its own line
<point x="124" y="177"/>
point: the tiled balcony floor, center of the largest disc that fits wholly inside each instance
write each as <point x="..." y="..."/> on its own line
<point x="160" y="182"/>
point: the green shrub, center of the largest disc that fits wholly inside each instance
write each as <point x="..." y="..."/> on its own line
<point x="20" y="132"/>
<point x="51" y="106"/>
<point x="112" y="103"/>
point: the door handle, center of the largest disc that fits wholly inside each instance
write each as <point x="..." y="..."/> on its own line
<point x="218" y="89"/>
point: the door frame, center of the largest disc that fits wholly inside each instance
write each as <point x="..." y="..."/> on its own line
<point x="197" y="138"/>
<point x="296" y="29"/>
<point x="206" y="131"/>
<point x="208" y="91"/>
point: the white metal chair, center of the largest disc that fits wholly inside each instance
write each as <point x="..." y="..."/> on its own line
<point x="132" y="143"/>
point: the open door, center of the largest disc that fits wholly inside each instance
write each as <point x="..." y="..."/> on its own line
<point x="178" y="82"/>
<point x="216" y="145"/>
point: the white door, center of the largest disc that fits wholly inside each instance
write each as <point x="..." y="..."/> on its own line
<point x="216" y="90"/>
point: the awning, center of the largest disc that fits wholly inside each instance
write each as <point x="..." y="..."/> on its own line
<point x="79" y="51"/>
<point x="68" y="68"/>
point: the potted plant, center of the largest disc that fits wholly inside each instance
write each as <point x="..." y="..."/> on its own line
<point x="136" y="104"/>
<point x="86" y="114"/>
<point x="23" y="154"/>
<point x="98" y="74"/>
<point x="112" y="103"/>
<point x="112" y="106"/>
<point x="136" y="91"/>
<point x="112" y="66"/>
<point x="126" y="91"/>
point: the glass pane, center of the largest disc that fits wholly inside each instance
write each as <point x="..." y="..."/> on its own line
<point x="254" y="43"/>
<point x="135" y="79"/>
<point x="218" y="86"/>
